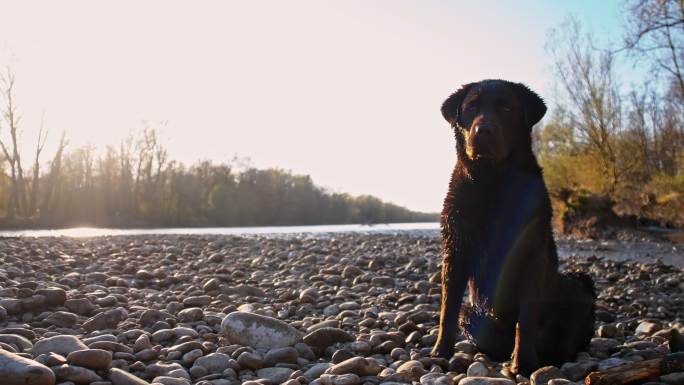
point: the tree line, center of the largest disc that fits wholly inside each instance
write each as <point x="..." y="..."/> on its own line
<point x="135" y="184"/>
<point x="623" y="140"/>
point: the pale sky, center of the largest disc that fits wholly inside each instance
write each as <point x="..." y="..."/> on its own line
<point x="345" y="91"/>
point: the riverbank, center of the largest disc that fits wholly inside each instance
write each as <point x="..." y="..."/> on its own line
<point x="367" y="305"/>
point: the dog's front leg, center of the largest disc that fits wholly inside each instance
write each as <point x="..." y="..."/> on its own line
<point x="454" y="279"/>
<point x="524" y="358"/>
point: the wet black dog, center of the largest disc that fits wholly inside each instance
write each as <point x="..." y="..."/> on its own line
<point x="497" y="238"/>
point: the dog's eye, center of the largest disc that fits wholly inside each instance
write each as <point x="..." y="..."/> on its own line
<point x="505" y="108"/>
<point x="471" y="107"/>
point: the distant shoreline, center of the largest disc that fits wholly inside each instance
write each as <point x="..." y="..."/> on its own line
<point x="216" y="230"/>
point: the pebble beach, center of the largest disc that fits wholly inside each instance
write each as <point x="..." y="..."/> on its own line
<point x="344" y="309"/>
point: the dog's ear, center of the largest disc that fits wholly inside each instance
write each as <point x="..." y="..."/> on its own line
<point x="451" y="108"/>
<point x="533" y="105"/>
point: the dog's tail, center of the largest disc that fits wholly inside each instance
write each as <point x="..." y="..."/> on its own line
<point x="581" y="287"/>
<point x="585" y="280"/>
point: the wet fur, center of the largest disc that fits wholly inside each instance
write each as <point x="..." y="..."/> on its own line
<point x="497" y="238"/>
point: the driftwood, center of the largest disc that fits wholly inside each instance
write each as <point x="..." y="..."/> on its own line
<point x="637" y="371"/>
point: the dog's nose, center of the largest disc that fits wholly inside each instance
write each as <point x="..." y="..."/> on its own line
<point x="483" y="129"/>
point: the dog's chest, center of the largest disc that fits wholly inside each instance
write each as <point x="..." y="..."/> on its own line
<point x="505" y="230"/>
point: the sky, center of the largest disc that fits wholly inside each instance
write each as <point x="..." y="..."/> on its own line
<point x="345" y="91"/>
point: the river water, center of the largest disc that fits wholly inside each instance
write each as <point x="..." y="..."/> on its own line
<point x="418" y="227"/>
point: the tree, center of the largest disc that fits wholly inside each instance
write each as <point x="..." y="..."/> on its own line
<point x="590" y="92"/>
<point x="656" y="32"/>
<point x="17" y="197"/>
<point x="42" y="136"/>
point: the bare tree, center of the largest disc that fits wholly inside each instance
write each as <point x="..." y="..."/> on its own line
<point x="17" y="197"/>
<point x="590" y="91"/>
<point x="42" y="136"/>
<point x="55" y="172"/>
<point x="656" y="32"/>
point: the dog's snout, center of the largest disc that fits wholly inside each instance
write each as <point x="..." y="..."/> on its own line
<point x="482" y="128"/>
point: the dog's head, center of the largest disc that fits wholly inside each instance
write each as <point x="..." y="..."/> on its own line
<point x="492" y="118"/>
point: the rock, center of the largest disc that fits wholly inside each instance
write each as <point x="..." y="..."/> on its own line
<point x="413" y="369"/>
<point x="333" y="323"/>
<point x="192" y="314"/>
<point x="542" y="375"/>
<point x="610" y="363"/>
<point x="286" y="355"/>
<point x="460" y="362"/>
<point x="106" y="320"/>
<point x="17" y="370"/>
<point x="143" y="274"/>
<point x="673" y="378"/>
<point x="315" y="371"/>
<point x="90" y="358"/>
<point x="249" y="360"/>
<point x="436" y="379"/>
<point x="62" y="319"/>
<point x="62" y="344"/>
<point x="647" y="328"/>
<point x="34" y="303"/>
<point x="308" y="295"/>
<point x="357" y="365"/>
<point x="212" y="285"/>
<point x="486" y="381"/>
<point x="214" y="362"/>
<point x="150" y="316"/>
<point x="111" y="346"/>
<point x="19" y="341"/>
<point x="275" y="375"/>
<point x="165" y="380"/>
<point x="54" y="296"/>
<point x="163" y="335"/>
<point x="190" y="357"/>
<point x="52" y="359"/>
<point x="576" y="371"/>
<point x="161" y="369"/>
<point x="382" y="281"/>
<point x="341" y="379"/>
<point x="341" y="355"/>
<point x="197" y="301"/>
<point x="258" y="331"/>
<point x="11" y="305"/>
<point x="326" y="336"/>
<point x="560" y="381"/>
<point x="3" y="314"/>
<point x="75" y="374"/>
<point x="120" y="377"/>
<point x="305" y="351"/>
<point x="465" y="347"/>
<point x="245" y="290"/>
<point x="80" y="306"/>
<point x="602" y="345"/>
<point x="142" y="342"/>
<point x="607" y="331"/>
<point x="351" y="271"/>
<point x="477" y="369"/>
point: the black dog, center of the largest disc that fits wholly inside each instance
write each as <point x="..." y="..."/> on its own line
<point x="497" y="238"/>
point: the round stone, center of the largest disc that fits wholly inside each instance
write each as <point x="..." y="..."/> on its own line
<point x="326" y="336"/>
<point x="214" y="362"/>
<point x="477" y="369"/>
<point x="258" y="331"/>
<point x="62" y="344"/>
<point x="91" y="358"/>
<point x="17" y="370"/>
